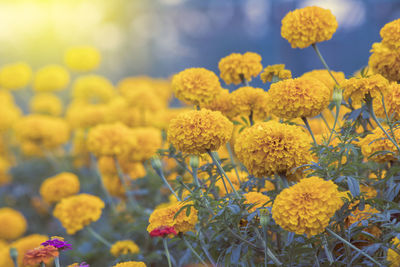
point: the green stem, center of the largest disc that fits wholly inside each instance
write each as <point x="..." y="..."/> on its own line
<point x="203" y="246"/>
<point x="42" y="264"/>
<point x="222" y="172"/>
<point x="265" y="245"/>
<point x="387" y="118"/>
<point x="167" y="251"/>
<point x="334" y="123"/>
<point x="98" y="236"/>
<point x="269" y="252"/>
<point x="57" y="262"/>
<point x="251" y="118"/>
<point x="352" y="246"/>
<point x="324" y="62"/>
<point x="284" y="180"/>
<point x="196" y="178"/>
<point x="309" y="129"/>
<point x="193" y="251"/>
<point x="161" y="174"/>
<point x="228" y="147"/>
<point x="14" y="256"/>
<point x="327" y="251"/>
<point x="325" y="121"/>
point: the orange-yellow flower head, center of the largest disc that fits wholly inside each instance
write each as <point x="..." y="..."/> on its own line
<point x="390" y="34"/>
<point x="15" y="76"/>
<point x="250" y="101"/>
<point x="237" y="68"/>
<point x="357" y="88"/>
<point x="306" y="26"/>
<point x="149" y="140"/>
<point x="392" y="103"/>
<point x="222" y="103"/>
<point x="130" y="264"/>
<point x="83" y="115"/>
<point x="124" y="247"/>
<point x="110" y="139"/>
<point x="93" y="89"/>
<point x="256" y="200"/>
<point x="40" y="254"/>
<point x="373" y="143"/>
<point x="13" y="224"/>
<point x="76" y="212"/>
<point x="165" y="217"/>
<point x="10" y="112"/>
<point x="199" y="131"/>
<point x="277" y="70"/>
<point x="63" y="185"/>
<point x="270" y="147"/>
<point x="385" y="61"/>
<point x="51" y="78"/>
<point x="82" y="58"/>
<point x="300" y="97"/>
<point x="324" y="77"/>
<point x="47" y="104"/>
<point x="392" y="256"/>
<point x="196" y="86"/>
<point x="307" y="207"/>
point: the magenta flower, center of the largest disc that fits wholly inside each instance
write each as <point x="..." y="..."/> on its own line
<point x="58" y="243"/>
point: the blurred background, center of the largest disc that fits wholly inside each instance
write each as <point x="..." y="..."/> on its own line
<point x="162" y="37"/>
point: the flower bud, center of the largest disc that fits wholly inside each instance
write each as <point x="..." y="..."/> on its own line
<point x="264" y="217"/>
<point x="156" y="164"/>
<point x="14" y="254"/>
<point x="337" y="96"/>
<point x="194" y="162"/>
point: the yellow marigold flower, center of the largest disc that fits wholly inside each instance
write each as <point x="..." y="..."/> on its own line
<point x="360" y="215"/>
<point x="110" y="139"/>
<point x="277" y="70"/>
<point x="133" y="169"/>
<point x="269" y="186"/>
<point x="392" y="256"/>
<point x="82" y="115"/>
<point x="378" y="141"/>
<point x="113" y="185"/>
<point x="93" y="89"/>
<point x="47" y="104"/>
<point x="149" y="140"/>
<point x="62" y="185"/>
<point x="196" y="86"/>
<point x="392" y="103"/>
<point x="130" y="264"/>
<point x="15" y="76"/>
<point x="270" y="147"/>
<point x="82" y="58"/>
<point x="307" y="207"/>
<point x="368" y="191"/>
<point x="250" y="101"/>
<point x="51" y="78"/>
<point x="3" y="244"/>
<point x="324" y="77"/>
<point x="237" y="68"/>
<point x="357" y="88"/>
<point x="199" y="131"/>
<point x="124" y="247"/>
<point x="222" y="103"/>
<point x="22" y="245"/>
<point x="10" y="113"/>
<point x="13" y="224"/>
<point x="42" y="131"/>
<point x="161" y="88"/>
<point x="165" y="217"/>
<point x="146" y="100"/>
<point x="258" y="200"/>
<point x="300" y="97"/>
<point x="385" y="61"/>
<point x="390" y="34"/>
<point x="306" y="26"/>
<point x="76" y="212"/>
<point x="5" y="177"/>
<point x="236" y="184"/>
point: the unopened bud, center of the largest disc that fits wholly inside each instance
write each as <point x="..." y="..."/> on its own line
<point x="156" y="164"/>
<point x="264" y="217"/>
<point x="337" y="96"/>
<point x="194" y="162"/>
<point x="14" y="254"/>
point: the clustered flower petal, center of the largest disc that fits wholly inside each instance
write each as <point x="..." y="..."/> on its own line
<point x="277" y="70"/>
<point x="93" y="89"/>
<point x="130" y="264"/>
<point x="63" y="185"/>
<point x="124" y="247"/>
<point x="222" y="103"/>
<point x="13" y="224"/>
<point x="51" y="78"/>
<point x="41" y="254"/>
<point x="257" y="200"/>
<point x="47" y="104"/>
<point x="300" y="97"/>
<point x="237" y="68"/>
<point x="307" y="207"/>
<point x="392" y="256"/>
<point x="250" y="101"/>
<point x="324" y="77"/>
<point x="385" y="61"/>
<point x="357" y="88"/>
<point x="390" y="34"/>
<point x="15" y="76"/>
<point x="199" y="131"/>
<point x="82" y="58"/>
<point x="306" y="26"/>
<point x="270" y="147"/>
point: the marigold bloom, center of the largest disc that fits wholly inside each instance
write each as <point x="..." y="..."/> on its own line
<point x="51" y="78"/>
<point x="222" y="103"/>
<point x="22" y="245"/>
<point x="82" y="58"/>
<point x="110" y="139"/>
<point x="392" y="256"/>
<point x="378" y="141"/>
<point x="13" y="224"/>
<point x="307" y="207"/>
<point x="300" y="97"/>
<point x="133" y="169"/>
<point x="357" y="88"/>
<point x="124" y="247"/>
<point x="306" y="26"/>
<point x="76" y="212"/>
<point x="163" y="231"/>
<point x="385" y="61"/>
<point x="199" y="131"/>
<point x="277" y="70"/>
<point x="237" y="68"/>
<point x="130" y="264"/>
<point x="250" y="101"/>
<point x="41" y="254"/>
<point x="196" y="86"/>
<point x="42" y="131"/>
<point x="271" y="147"/>
<point x="258" y="200"/>
<point x="10" y="113"/>
<point x="360" y="215"/>
<point x="390" y="34"/>
<point x="165" y="217"/>
<point x="93" y="89"/>
<point x="149" y="140"/>
<point x="160" y="87"/>
<point x="83" y="115"/>
<point x="63" y="185"/>
<point x="392" y="103"/>
<point x="324" y="77"/>
<point x="47" y="104"/>
<point x="15" y="76"/>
